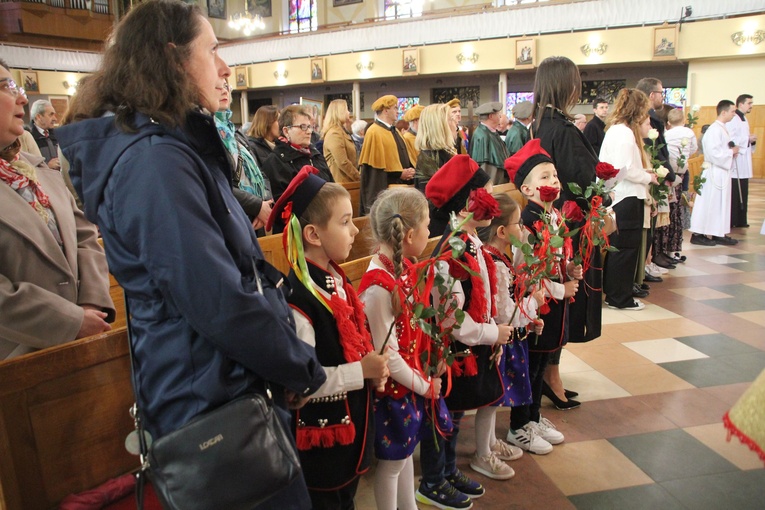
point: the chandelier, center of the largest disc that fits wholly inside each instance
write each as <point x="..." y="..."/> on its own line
<point x="246" y="22"/>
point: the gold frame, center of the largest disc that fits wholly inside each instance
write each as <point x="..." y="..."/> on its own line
<point x="413" y="53"/>
<point x="660" y="34"/>
<point x="520" y="46"/>
<point x="35" y="79"/>
<point x="241" y="72"/>
<point x="319" y="64"/>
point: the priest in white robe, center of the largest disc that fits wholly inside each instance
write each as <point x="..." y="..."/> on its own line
<point x="710" y="219"/>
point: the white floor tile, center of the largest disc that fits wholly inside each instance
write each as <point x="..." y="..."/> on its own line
<point x="664" y="350"/>
<point x="723" y="259"/>
<point x="570" y="362"/>
<point x="593" y="385"/>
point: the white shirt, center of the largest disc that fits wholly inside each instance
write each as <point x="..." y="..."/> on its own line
<point x="620" y="150"/>
<point x="739" y="132"/>
<point x="674" y="138"/>
<point x="379" y="310"/>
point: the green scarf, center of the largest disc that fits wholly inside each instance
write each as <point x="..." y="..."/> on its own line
<point x="250" y="179"/>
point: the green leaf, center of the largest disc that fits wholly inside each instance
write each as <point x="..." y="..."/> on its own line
<point x="527" y="249"/>
<point x="458" y="246"/>
<point x="427" y="313"/>
<point x="418" y="309"/>
<point x="556" y="242"/>
<point x="426" y="327"/>
<point x="438" y="280"/>
<point x="575" y="188"/>
<point x="588" y="193"/>
<point x="612" y="249"/>
<point x="459" y="316"/>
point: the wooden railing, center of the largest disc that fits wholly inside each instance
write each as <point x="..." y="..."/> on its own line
<point x="96" y="6"/>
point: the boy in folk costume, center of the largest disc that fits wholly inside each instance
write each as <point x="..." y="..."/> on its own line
<point x="461" y="186"/>
<point x="532" y="171"/>
<point x="335" y="427"/>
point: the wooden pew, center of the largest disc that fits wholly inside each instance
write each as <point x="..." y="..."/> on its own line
<point x="694" y="168"/>
<point x="514" y="193"/>
<point x="354" y="188"/>
<point x="63" y="420"/>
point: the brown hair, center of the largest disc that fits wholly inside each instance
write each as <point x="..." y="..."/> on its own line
<point x="262" y="121"/>
<point x="558" y="84"/>
<point x="319" y="211"/>
<point x="393" y="214"/>
<point x="507" y="207"/>
<point x="631" y="109"/>
<point x="287" y="117"/>
<point x="143" y="67"/>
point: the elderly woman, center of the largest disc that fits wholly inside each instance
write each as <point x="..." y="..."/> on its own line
<point x="54" y="281"/>
<point x="339" y="148"/>
<point x="209" y="321"/>
<point x="263" y="133"/>
<point x="293" y="150"/>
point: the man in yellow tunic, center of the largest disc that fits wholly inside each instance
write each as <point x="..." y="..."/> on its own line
<point x="384" y="159"/>
<point x="412" y="116"/>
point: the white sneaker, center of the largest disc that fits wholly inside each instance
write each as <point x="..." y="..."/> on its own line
<point x="492" y="467"/>
<point x="504" y="451"/>
<point x="655" y="270"/>
<point x="547" y="431"/>
<point x="528" y="439"/>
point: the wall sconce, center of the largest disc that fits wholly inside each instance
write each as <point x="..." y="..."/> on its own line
<point x="741" y="38"/>
<point x="361" y="66"/>
<point x="281" y="75"/>
<point x="597" y="49"/>
<point x="71" y="87"/>
<point x="472" y="58"/>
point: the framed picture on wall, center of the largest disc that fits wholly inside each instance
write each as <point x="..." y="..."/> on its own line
<point x="318" y="72"/>
<point x="60" y="104"/>
<point x="315" y="106"/>
<point x="340" y="3"/>
<point x="665" y="42"/>
<point x="410" y="61"/>
<point x="240" y="74"/>
<point x="259" y="7"/>
<point x="29" y="82"/>
<point x="216" y="9"/>
<point x="525" y="54"/>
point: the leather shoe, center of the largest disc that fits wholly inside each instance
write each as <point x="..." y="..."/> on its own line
<point x="702" y="240"/>
<point x="653" y="279"/>
<point x="645" y="286"/>
<point x="662" y="260"/>
<point x="728" y="241"/>
<point x="563" y="405"/>
<point x="638" y="292"/>
<point x="571" y="393"/>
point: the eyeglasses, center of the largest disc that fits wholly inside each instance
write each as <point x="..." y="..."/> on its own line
<point x="657" y="92"/>
<point x="303" y="127"/>
<point x="12" y="88"/>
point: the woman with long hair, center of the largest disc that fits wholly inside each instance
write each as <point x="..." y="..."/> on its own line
<point x="209" y="323"/>
<point x="435" y="142"/>
<point x="339" y="148"/>
<point x="263" y="133"/>
<point x="557" y="88"/>
<point x="622" y="147"/>
<point x="54" y="282"/>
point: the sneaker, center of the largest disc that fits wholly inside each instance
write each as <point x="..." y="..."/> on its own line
<point x="442" y="495"/>
<point x="702" y="240"/>
<point x="505" y="451"/>
<point x="528" y="439"/>
<point x="655" y="270"/>
<point x="547" y="431"/>
<point x="634" y="306"/>
<point x="465" y="485"/>
<point x="492" y="467"/>
<point x="726" y="240"/>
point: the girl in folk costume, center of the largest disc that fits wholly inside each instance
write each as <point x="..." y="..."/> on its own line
<point x="514" y="363"/>
<point x="461" y="186"/>
<point x="532" y="171"/>
<point x="399" y="222"/>
<point x="335" y="427"/>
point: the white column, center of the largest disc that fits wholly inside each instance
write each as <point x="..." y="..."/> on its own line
<point x="244" y="107"/>
<point x="502" y="88"/>
<point x="356" y="96"/>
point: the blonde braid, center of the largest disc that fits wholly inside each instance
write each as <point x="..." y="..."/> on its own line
<point x="396" y="235"/>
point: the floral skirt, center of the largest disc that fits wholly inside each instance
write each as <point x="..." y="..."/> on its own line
<point x="669" y="239"/>
<point x="400" y="423"/>
<point x="514" y="367"/>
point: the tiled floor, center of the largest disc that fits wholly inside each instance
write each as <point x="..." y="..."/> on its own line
<point x="654" y="388"/>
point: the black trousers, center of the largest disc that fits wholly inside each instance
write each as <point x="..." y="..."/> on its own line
<point x="521" y="415"/>
<point x="340" y="499"/>
<point x="739" y="202"/>
<point x="619" y="269"/>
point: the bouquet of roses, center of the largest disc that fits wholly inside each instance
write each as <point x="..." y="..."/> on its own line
<point x="659" y="192"/>
<point x="593" y="233"/>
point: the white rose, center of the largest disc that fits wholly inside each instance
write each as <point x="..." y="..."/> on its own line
<point x="684" y="143"/>
<point x="705" y="165"/>
<point x="695" y="108"/>
<point x="653" y="134"/>
<point x="661" y="172"/>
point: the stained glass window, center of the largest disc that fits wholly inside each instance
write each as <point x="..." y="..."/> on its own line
<point x="303" y="17"/>
<point x="514" y="98"/>
<point x="404" y="103"/>
<point x="395" y="9"/>
<point x="675" y="96"/>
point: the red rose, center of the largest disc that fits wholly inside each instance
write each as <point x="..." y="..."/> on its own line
<point x="605" y="171"/>
<point x="572" y="211"/>
<point x="482" y="205"/>
<point x="548" y="193"/>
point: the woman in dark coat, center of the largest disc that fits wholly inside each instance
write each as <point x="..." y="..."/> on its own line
<point x="209" y="319"/>
<point x="556" y="89"/>
<point x="263" y="133"/>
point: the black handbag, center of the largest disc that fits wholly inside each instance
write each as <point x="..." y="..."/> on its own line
<point x="234" y="457"/>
